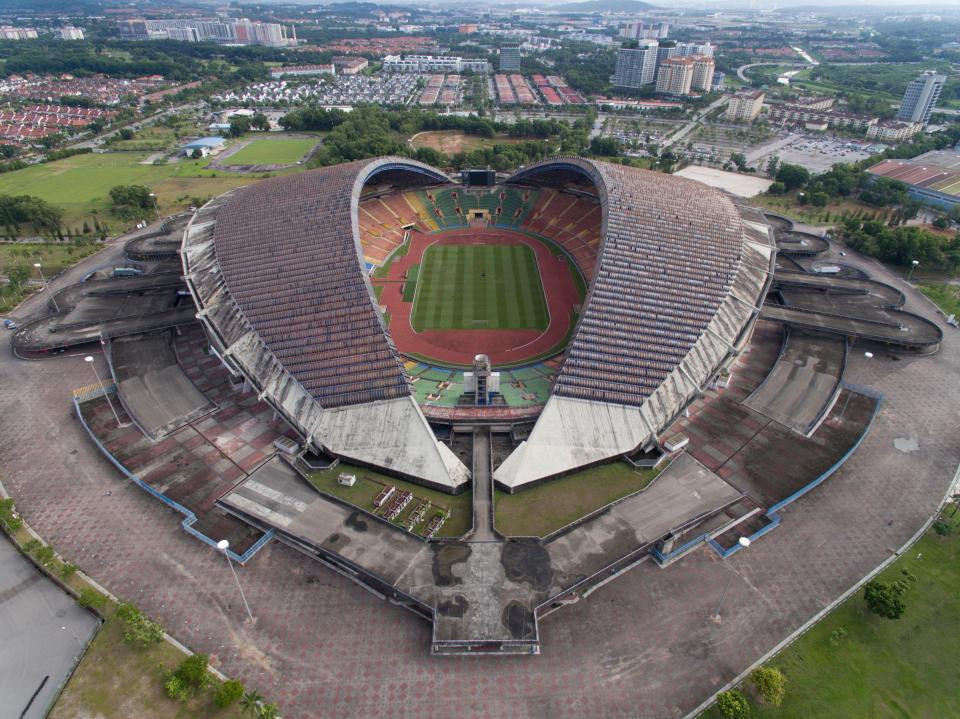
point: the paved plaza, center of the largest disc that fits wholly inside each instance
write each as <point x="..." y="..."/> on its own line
<point x="642" y="646"/>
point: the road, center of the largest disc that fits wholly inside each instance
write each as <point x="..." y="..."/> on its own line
<point x="42" y="636"/>
<point x="741" y="71"/>
<point x="683" y="131"/>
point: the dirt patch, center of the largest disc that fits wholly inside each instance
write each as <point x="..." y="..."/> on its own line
<point x="450" y="142"/>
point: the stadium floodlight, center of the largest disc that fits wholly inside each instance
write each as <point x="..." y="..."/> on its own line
<point x="743" y="543"/>
<point x="47" y="287"/>
<point x="89" y="360"/>
<point x="153" y="196"/>
<point x="223" y="545"/>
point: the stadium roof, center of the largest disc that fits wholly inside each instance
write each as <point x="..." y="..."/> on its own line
<point x="277" y="271"/>
<point x="938" y="170"/>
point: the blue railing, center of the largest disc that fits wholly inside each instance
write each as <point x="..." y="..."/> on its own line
<point x="189" y="517"/>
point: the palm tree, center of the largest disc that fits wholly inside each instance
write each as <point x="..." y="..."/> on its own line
<point x="268" y="711"/>
<point x="251" y="701"/>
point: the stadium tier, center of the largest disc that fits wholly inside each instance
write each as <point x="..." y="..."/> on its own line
<point x="676" y="274"/>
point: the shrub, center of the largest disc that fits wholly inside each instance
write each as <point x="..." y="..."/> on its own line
<point x="176" y="689"/>
<point x="44" y="555"/>
<point x="140" y="631"/>
<point x="770" y="683"/>
<point x="733" y="705"/>
<point x="91" y="599"/>
<point x="193" y="672"/>
<point x="884" y="600"/>
<point x="268" y="711"/>
<point x="228" y="693"/>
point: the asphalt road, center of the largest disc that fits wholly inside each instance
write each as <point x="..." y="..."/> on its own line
<point x="42" y="635"/>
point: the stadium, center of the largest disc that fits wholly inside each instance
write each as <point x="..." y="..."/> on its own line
<point x="611" y="296"/>
<point x="481" y="397"/>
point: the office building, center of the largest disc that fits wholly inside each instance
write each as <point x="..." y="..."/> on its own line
<point x="636" y="64"/>
<point x="921" y="97"/>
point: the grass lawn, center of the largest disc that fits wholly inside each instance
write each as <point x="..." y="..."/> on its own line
<point x="369" y="484"/>
<point x="546" y="507"/>
<point x="945" y="296"/>
<point x="116" y="681"/>
<point x="788" y="206"/>
<point x="855" y="664"/>
<point x="451" y="142"/>
<point x="479" y="287"/>
<point x="80" y="185"/>
<point x="410" y="284"/>
<point x="272" y="151"/>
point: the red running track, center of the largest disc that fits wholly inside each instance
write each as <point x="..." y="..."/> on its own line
<point x="459" y="347"/>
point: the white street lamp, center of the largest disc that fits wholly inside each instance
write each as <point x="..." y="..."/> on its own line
<point x="913" y="267"/>
<point x="744" y="542"/>
<point x="47" y="287"/>
<point x="89" y="360"/>
<point x="156" y="207"/>
<point x="223" y="545"/>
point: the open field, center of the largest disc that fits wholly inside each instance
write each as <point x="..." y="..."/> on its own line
<point x="451" y="142"/>
<point x="80" y="185"/>
<point x="547" y="507"/>
<point x="269" y="151"/>
<point x="856" y="664"/>
<point x="479" y="287"/>
<point x="369" y="483"/>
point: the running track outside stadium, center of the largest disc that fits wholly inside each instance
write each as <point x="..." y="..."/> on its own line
<point x="459" y="347"/>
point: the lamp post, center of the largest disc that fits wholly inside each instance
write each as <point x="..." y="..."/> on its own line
<point x="47" y="287"/>
<point x="913" y="267"/>
<point x="743" y="542"/>
<point x="89" y="360"/>
<point x="156" y="207"/>
<point x="223" y="545"/>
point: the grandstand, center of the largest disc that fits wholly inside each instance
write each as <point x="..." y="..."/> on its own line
<point x="676" y="275"/>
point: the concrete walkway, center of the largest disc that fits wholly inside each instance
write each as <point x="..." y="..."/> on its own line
<point x="482" y="488"/>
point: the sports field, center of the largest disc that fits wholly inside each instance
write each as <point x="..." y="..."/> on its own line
<point x="281" y="151"/>
<point x="479" y="287"/>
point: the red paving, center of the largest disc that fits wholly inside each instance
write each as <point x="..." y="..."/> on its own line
<point x="460" y="346"/>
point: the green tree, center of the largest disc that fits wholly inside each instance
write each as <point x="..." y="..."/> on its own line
<point x="770" y="683"/>
<point x="733" y="705"/>
<point x="792" y="176"/>
<point x="884" y="600"/>
<point x="228" y="693"/>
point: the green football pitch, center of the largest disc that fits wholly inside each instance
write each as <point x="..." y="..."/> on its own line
<point x="479" y="287"/>
<point x="273" y="151"/>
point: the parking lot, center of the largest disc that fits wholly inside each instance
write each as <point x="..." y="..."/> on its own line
<point x="383" y="89"/>
<point x="819" y="153"/>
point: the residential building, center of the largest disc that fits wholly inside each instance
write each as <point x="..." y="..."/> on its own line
<point x="510" y="58"/>
<point x="226" y="31"/>
<point x="17" y="33"/>
<point x="346" y="65"/>
<point x="644" y="31"/>
<point x="636" y="64"/>
<point x="69" y="32"/>
<point x="467" y="29"/>
<point x="434" y="63"/>
<point x="675" y="76"/>
<point x="745" y="105"/>
<point x="718" y="80"/>
<point x="686" y="49"/>
<point x="703" y="68"/>
<point x="812" y="118"/>
<point x="301" y="71"/>
<point x="893" y="131"/>
<point x="921" y="97"/>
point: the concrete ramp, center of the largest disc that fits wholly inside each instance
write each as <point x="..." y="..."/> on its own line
<point x="803" y="384"/>
<point x="152" y="385"/>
